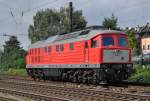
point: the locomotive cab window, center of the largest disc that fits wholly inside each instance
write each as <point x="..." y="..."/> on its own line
<point x="94" y="43"/>
<point x="122" y="41"/>
<point x="108" y="41"/>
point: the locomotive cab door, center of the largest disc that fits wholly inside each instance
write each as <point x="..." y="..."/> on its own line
<point x="86" y="52"/>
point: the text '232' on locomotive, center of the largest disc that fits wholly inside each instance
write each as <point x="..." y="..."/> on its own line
<point x="87" y="56"/>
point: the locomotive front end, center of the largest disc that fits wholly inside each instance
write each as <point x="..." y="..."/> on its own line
<point x="116" y="60"/>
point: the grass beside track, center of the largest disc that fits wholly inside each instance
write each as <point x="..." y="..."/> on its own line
<point x="142" y="74"/>
<point x="15" y="72"/>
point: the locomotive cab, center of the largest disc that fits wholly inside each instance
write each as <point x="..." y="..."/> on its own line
<point x="116" y="58"/>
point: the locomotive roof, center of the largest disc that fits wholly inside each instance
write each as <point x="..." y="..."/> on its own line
<point x="72" y="37"/>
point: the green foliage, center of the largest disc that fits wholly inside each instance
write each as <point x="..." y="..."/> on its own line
<point x="1" y="53"/>
<point x="141" y="74"/>
<point x="133" y="42"/>
<point x="13" y="56"/>
<point x="50" y="22"/>
<point x="12" y="71"/>
<point x="111" y="22"/>
<point x="141" y="77"/>
<point x="20" y="63"/>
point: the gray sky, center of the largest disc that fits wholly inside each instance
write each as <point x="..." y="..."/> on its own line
<point x="130" y="13"/>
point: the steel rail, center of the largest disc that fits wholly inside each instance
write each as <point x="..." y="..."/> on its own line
<point x="83" y="93"/>
<point x="124" y="83"/>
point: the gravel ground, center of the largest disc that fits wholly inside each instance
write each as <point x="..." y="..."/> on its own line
<point x="14" y="97"/>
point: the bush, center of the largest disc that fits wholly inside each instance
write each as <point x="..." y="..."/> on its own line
<point x="142" y="77"/>
<point x="142" y="74"/>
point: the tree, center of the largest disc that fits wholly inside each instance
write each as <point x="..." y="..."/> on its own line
<point x="1" y="53"/>
<point x="110" y="23"/>
<point x="133" y="42"/>
<point x="13" y="54"/>
<point x="50" y="22"/>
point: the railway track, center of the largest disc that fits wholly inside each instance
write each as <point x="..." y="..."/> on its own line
<point x="72" y="92"/>
<point x="29" y="96"/>
<point x="6" y="99"/>
<point x="131" y="87"/>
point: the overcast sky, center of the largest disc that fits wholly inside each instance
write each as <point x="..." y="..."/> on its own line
<point x="130" y="13"/>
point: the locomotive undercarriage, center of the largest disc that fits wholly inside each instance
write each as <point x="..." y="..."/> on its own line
<point x="106" y="73"/>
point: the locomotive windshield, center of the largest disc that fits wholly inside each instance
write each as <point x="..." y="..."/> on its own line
<point x="108" y="41"/>
<point x="122" y="41"/>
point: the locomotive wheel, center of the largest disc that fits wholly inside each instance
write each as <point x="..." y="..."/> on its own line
<point x="94" y="80"/>
<point x="70" y="75"/>
<point x="89" y="79"/>
<point x="102" y="77"/>
<point x="75" y="76"/>
<point x="34" y="75"/>
<point x="84" y="80"/>
<point x="39" y="74"/>
<point x="80" y="78"/>
<point x="84" y="77"/>
<point x="64" y="77"/>
<point x="74" y="80"/>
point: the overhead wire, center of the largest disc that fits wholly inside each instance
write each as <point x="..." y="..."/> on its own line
<point x="24" y="12"/>
<point x="54" y="1"/>
<point x="86" y="4"/>
<point x="39" y="6"/>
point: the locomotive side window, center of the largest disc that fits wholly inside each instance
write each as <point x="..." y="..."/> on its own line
<point x="38" y="50"/>
<point x="31" y="51"/>
<point x="45" y="49"/>
<point x="108" y="41"/>
<point x="86" y="44"/>
<point x="35" y="51"/>
<point x="61" y="48"/>
<point x="94" y="43"/>
<point x="71" y="46"/>
<point x="49" y="49"/>
<point x="57" y="48"/>
<point x="122" y="41"/>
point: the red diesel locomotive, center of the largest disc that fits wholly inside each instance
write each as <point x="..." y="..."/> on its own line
<point x="86" y="56"/>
